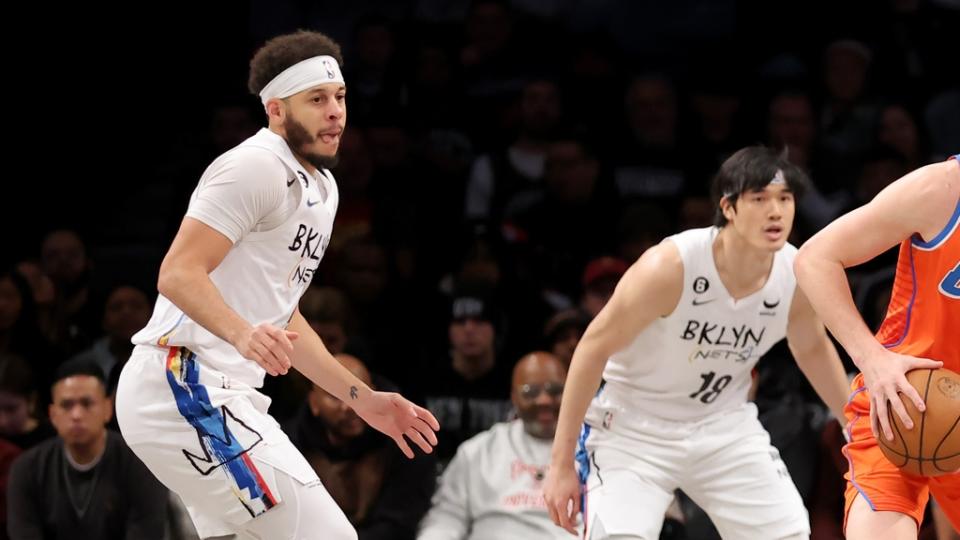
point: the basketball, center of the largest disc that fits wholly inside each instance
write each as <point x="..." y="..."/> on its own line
<point x="932" y="447"/>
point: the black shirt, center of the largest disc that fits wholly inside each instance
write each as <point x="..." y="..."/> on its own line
<point x="117" y="499"/>
<point x="465" y="408"/>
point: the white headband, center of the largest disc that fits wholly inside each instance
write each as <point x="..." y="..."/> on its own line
<point x="301" y="76"/>
<point x="778" y="178"/>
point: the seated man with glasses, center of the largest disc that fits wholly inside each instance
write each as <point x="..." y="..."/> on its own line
<point x="492" y="487"/>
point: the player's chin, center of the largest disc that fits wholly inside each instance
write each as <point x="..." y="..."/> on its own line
<point x="772" y="244"/>
<point x="327" y="150"/>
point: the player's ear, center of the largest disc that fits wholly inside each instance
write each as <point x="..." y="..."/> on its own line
<point x="276" y="109"/>
<point x="727" y="208"/>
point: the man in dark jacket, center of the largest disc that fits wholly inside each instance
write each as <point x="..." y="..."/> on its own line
<point x="85" y="483"/>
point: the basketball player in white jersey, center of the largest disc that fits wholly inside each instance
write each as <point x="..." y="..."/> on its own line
<point x="254" y="233"/>
<point x="675" y="346"/>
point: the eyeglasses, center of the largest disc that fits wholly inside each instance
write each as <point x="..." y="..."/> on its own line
<point x="532" y="391"/>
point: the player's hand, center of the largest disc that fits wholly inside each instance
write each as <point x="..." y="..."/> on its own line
<point x="561" y="491"/>
<point x="268" y="346"/>
<point x="395" y="416"/>
<point x="885" y="378"/>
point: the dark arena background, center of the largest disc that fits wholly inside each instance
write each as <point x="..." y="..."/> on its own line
<point x="504" y="163"/>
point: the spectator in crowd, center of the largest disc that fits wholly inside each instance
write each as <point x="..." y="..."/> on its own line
<point x="19" y="423"/>
<point x="127" y="311"/>
<point x="85" y="483"/>
<point x="468" y="391"/>
<point x="492" y="487"/>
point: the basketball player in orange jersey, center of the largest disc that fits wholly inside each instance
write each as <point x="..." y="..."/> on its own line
<point x="921" y="211"/>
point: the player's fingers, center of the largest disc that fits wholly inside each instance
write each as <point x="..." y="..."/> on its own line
<point x="568" y="516"/>
<point x="262" y="357"/>
<point x="427" y="417"/>
<point x="292" y="336"/>
<point x="279" y="345"/>
<point x="424" y="429"/>
<point x="277" y="355"/>
<point x="883" y="418"/>
<point x="551" y="509"/>
<point x="897" y="405"/>
<point x="925" y="363"/>
<point x="575" y="508"/>
<point x="257" y="356"/>
<point x="418" y="440"/>
<point x="874" y="423"/>
<point x="560" y="506"/>
<point x="404" y="447"/>
<point x="911" y="393"/>
<point x="281" y="337"/>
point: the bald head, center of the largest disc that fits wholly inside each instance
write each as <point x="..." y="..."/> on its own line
<point x="536" y="391"/>
<point x="536" y="365"/>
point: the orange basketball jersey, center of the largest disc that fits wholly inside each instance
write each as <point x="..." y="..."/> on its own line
<point x="923" y="318"/>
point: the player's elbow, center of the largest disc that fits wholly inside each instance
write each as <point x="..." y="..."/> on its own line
<point x="165" y="282"/>
<point x="803" y="262"/>
<point x="170" y="280"/>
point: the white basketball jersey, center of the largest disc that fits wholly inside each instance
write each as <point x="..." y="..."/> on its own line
<point x="265" y="272"/>
<point x="697" y="361"/>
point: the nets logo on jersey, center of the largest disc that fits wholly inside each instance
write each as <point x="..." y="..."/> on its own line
<point x="720" y="342"/>
<point x="311" y="244"/>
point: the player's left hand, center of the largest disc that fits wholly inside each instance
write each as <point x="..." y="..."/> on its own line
<point x="395" y="416"/>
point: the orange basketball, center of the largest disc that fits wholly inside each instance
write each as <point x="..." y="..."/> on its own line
<point x="932" y="447"/>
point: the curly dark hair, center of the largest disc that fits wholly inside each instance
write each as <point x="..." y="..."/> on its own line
<point x="281" y="52"/>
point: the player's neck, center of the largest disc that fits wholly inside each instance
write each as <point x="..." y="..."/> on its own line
<point x="307" y="166"/>
<point x="472" y="368"/>
<point x="743" y="268"/>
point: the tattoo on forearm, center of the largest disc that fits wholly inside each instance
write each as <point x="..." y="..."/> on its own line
<point x="353" y="392"/>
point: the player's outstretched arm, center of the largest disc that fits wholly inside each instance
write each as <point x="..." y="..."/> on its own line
<point x="920" y="202"/>
<point x="816" y="356"/>
<point x="388" y="412"/>
<point x="650" y="289"/>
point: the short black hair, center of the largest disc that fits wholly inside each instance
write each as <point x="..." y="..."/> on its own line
<point x="78" y="367"/>
<point x="751" y="169"/>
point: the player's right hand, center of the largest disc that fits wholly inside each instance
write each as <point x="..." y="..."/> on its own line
<point x="268" y="346"/>
<point x="885" y="378"/>
<point x="561" y="491"/>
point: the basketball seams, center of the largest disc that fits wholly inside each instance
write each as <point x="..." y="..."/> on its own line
<point x="901" y="454"/>
<point x="943" y="440"/>
<point x="899" y="437"/>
